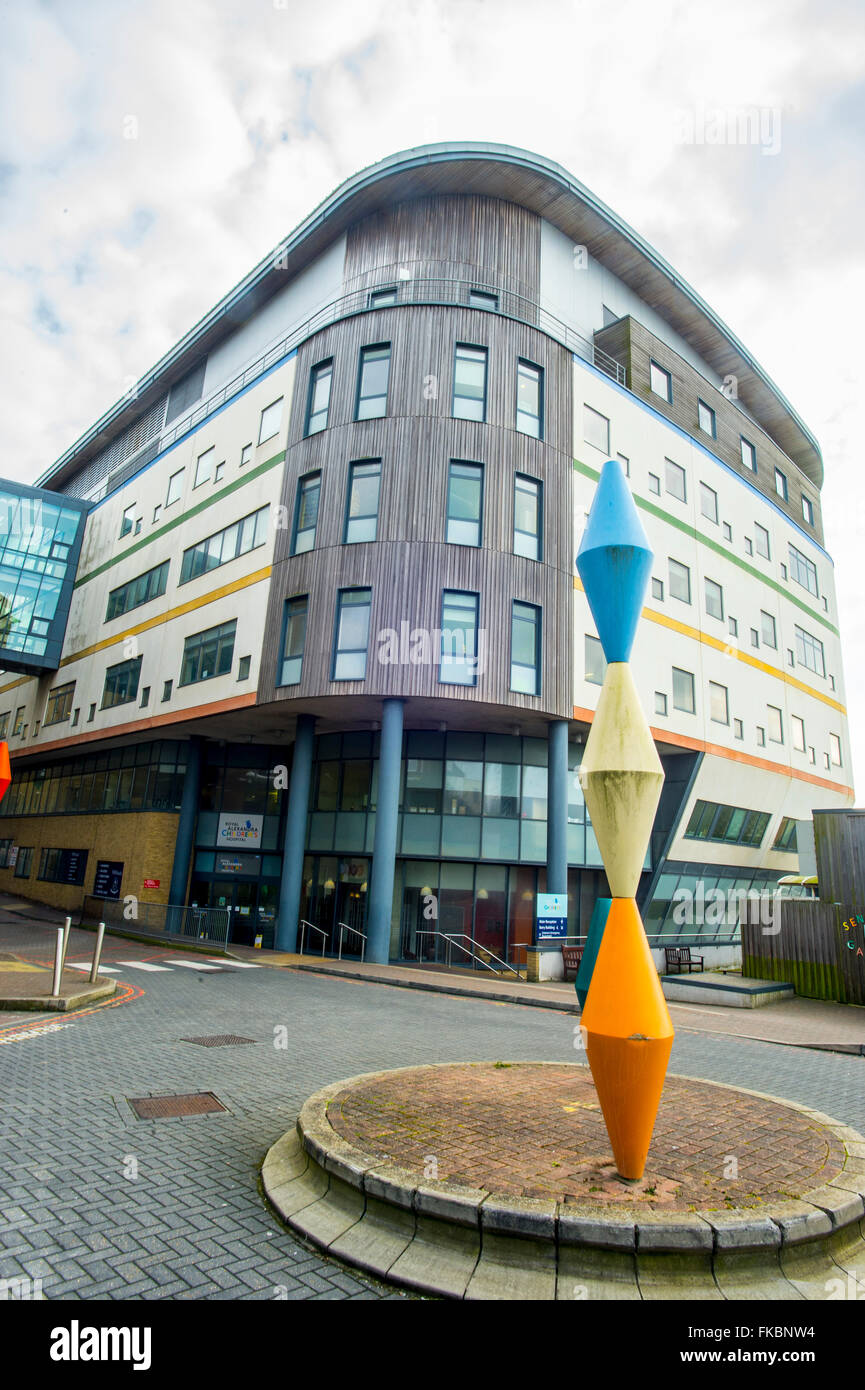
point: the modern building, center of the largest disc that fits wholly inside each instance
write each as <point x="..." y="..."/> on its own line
<point x="326" y="657"/>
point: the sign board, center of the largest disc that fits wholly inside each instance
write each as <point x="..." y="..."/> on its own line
<point x="155" y="883"/>
<point x="13" y="857"/>
<point x="249" y="864"/>
<point x="239" y="831"/>
<point x="258" y="941"/>
<point x="109" y="876"/>
<point x="71" y="866"/>
<point x="551" y="916"/>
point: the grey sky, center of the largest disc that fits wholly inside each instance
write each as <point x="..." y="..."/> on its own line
<point x="152" y="152"/>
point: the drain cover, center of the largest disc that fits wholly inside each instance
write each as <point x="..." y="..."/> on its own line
<point x="167" y="1107"/>
<point x="219" y="1040"/>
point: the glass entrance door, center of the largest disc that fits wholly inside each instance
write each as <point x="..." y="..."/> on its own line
<point x="351" y="895"/>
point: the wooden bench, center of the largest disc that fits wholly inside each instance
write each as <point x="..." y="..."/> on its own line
<point x="680" y="961"/>
<point x="571" y="957"/>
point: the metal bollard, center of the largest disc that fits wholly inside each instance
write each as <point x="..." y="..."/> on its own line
<point x="97" y="952"/>
<point x="66" y="931"/>
<point x="58" y="964"/>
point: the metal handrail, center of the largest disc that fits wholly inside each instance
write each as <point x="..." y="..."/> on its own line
<point x="323" y="934"/>
<point x="455" y="938"/>
<point x="343" y="927"/>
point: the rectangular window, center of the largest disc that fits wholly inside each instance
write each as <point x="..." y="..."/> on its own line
<point x="381" y="299"/>
<point x="709" y="502"/>
<point x="781" y="484"/>
<point x="749" y="546"/>
<point x="166" y="691"/>
<point x="208" y="654"/>
<point x="175" y="487"/>
<point x="655" y="484"/>
<point x="680" y="581"/>
<point x="785" y="839"/>
<point x="127" y="523"/>
<point x="749" y="453"/>
<point x="733" y="625"/>
<point x="626" y="464"/>
<point x="732" y="825"/>
<point x="706" y="419"/>
<point x="804" y="571"/>
<point x="595" y="661"/>
<point x="145" y="696"/>
<point x="318" y="402"/>
<point x="761" y="736"/>
<point x="306" y="513"/>
<point x="530" y="399"/>
<point x="243" y="668"/>
<point x="660" y="702"/>
<point x="464" y="506"/>
<point x="121" y="683"/>
<point x="19" y="720"/>
<point x="24" y="861"/>
<point x="738" y="729"/>
<point x="296" y="610"/>
<point x="807" y="510"/>
<point x="150" y="585"/>
<point x="526" y="648"/>
<point x="373" y="375"/>
<point x="755" y="637"/>
<point x="714" y="599"/>
<point x="459" y="638"/>
<point x="683" y="691"/>
<point x="596" y="429"/>
<point x="63" y="865"/>
<point x="480" y="299"/>
<point x="658" y="589"/>
<point x="774" y="724"/>
<point x="4" y="724"/>
<point x="835" y="750"/>
<point x="351" y="636"/>
<point x="761" y="541"/>
<point x="660" y="381"/>
<point x="768" y="630"/>
<point x="528" y="517"/>
<point x="728" y="531"/>
<point x="797" y="733"/>
<point x="245" y="455"/>
<point x="361" y="513"/>
<point x="204" y="467"/>
<point x="809" y="651"/>
<point x="59" y="705"/>
<point x="271" y="419"/>
<point x="675" y="480"/>
<point x="470" y="383"/>
<point x="719" y="704"/>
<point x="220" y="471"/>
<point x="224" y="546"/>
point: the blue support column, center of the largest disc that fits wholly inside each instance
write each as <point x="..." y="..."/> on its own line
<point x="557" y="808"/>
<point x="384" y="846"/>
<point x="186" y="825"/>
<point x="294" y="842"/>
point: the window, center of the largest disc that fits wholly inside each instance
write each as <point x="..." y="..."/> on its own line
<point x="774" y="724"/>
<point x="145" y="697"/>
<point x="91" y="714"/>
<point x="781" y="484"/>
<point x="150" y="585"/>
<point x="63" y="865"/>
<point x="480" y="299"/>
<point x="768" y="630"/>
<point x="372" y="381"/>
<point x="683" y="691"/>
<point x="528" y="517"/>
<point x="121" y="683"/>
<point x="470" y="383"/>
<point x="804" y="571"/>
<point x="243" y="667"/>
<point x="208" y="654"/>
<point x="660" y="702"/>
<point x="733" y="625"/>
<point x="807" y="510"/>
<point x="293" y="642"/>
<point x="59" y="705"/>
<point x="204" y="467"/>
<point x="675" y="480"/>
<point x="459" y="638"/>
<point x="75" y="713"/>
<point x="526" y="648"/>
<point x="719" y="704"/>
<point x="219" y="472"/>
<point x="19" y="720"/>
<point x="175" y="487"/>
<point x="530" y="399"/>
<point x="761" y="736"/>
<point x="306" y="513"/>
<point x="835" y="750"/>
<point x="596" y="429"/>
<point x="381" y="299"/>
<point x="660" y="381"/>
<point x="680" y="581"/>
<point x="755" y="637"/>
<point x="709" y="502"/>
<point x="4" y="724"/>
<point x="658" y="589"/>
<point x="351" y="636"/>
<point x="785" y="839"/>
<point x="271" y="419"/>
<point x="706" y="419"/>
<point x="714" y="599"/>
<point x="655" y="484"/>
<point x="749" y="453"/>
<point x="128" y="522"/>
<point x="166" y="691"/>
<point x="318" y="404"/>
<point x="5" y="846"/>
<point x="738" y="729"/>
<point x="245" y="455"/>
<point x="24" y="861"/>
<point x="797" y="733"/>
<point x="761" y="540"/>
<point x="361" y="513"/>
<point x="157" y="512"/>
<point x="224" y="546"/>
<point x="728" y="531"/>
<point x="749" y="546"/>
<point x="596" y="662"/>
<point x="626" y="464"/>
<point x="464" y="507"/>
<point x="809" y="651"/>
<point x="732" y="825"/>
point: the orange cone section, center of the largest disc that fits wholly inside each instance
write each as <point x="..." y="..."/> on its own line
<point x="628" y="1035"/>
<point x="5" y="770"/>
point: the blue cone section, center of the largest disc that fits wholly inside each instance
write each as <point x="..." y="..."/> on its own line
<point x="600" y="913"/>
<point x="614" y="563"/>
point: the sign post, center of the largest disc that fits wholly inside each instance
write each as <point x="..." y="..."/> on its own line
<point x="551" y="917"/>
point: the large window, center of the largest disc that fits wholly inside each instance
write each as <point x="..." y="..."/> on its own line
<point x="372" y="382"/>
<point x="761" y="541"/>
<point x="470" y="383"/>
<point x="528" y="517"/>
<point x="526" y="648"/>
<point x="63" y="865"/>
<point x="714" y="599"/>
<point x="675" y="476"/>
<point x="464" y="503"/>
<point x="809" y="651"/>
<point x="318" y="401"/>
<point x="530" y="399"/>
<point x="768" y="629"/>
<point x="295" y="638"/>
<point x="224" y="546"/>
<point x="271" y="419"/>
<point x="152" y="584"/>
<point x="797" y="733"/>
<point x="595" y="661"/>
<point x="775" y="724"/>
<point x="141" y="777"/>
<point x="731" y="825"/>
<point x="683" y="691"/>
<point x="351" y="638"/>
<point x="59" y="705"/>
<point x="306" y="513"/>
<point x="121" y="683"/>
<point x="804" y="571"/>
<point x="680" y="581"/>
<point x="208" y="654"/>
<point x="361" y="513"/>
<point x="719" y="703"/>
<point x="785" y="839"/>
<point x="459" y="638"/>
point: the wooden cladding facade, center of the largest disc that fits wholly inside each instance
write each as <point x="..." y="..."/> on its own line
<point x="818" y="947"/>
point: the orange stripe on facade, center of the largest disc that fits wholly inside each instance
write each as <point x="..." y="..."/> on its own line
<point x="158" y="721"/>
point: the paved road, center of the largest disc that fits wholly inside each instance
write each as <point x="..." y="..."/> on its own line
<point x="99" y="1204"/>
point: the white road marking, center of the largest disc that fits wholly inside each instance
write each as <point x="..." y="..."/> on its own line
<point x="191" y="965"/>
<point x="144" y="965"/>
<point x="33" y="1032"/>
<point x="103" y="969"/>
<point x="238" y="964"/>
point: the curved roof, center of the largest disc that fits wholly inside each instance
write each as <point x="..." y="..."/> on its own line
<point x="500" y="171"/>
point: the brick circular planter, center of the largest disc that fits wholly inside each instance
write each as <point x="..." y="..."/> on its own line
<point x="494" y="1180"/>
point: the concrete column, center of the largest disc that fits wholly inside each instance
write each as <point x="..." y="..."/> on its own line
<point x="186" y="826"/>
<point x="384" y="846"/>
<point x="557" y="808"/>
<point x="294" y="842"/>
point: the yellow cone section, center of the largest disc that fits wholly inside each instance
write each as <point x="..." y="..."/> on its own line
<point x="621" y="776"/>
<point x="628" y="1035"/>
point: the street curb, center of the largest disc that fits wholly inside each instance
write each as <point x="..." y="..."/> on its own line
<point x="103" y="989"/>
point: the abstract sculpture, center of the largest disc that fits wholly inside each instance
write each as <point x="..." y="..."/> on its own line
<point x="5" y="770"/>
<point x="625" y="1021"/>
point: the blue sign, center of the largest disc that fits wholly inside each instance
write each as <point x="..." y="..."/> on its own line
<point x="551" y="917"/>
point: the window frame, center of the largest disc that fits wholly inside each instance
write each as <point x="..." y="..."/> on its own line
<point x="365" y="356"/>
<point x="131" y="664"/>
<point x="348" y="519"/>
<point x="178" y="493"/>
<point x="666" y="395"/>
<point x="158" y="590"/>
<point x="684" y="709"/>
<point x="527" y="368"/>
<point x="336" y="650"/>
<point x="475" y="596"/>
<point x="480" y="349"/>
<point x="589" y="412"/>
<point x="219" y="633"/>
<point x="748" y="454"/>
<point x="670" y="586"/>
<point x="262" y="437"/>
<point x="679" y="473"/>
<point x="317" y="372"/>
<point x="537" y="666"/>
<point x="287" y="617"/>
<point x="298" y="499"/>
<point x="538" y="486"/>
<point x="702" y="406"/>
<point x="478" y="469"/>
<point x="710" y="516"/>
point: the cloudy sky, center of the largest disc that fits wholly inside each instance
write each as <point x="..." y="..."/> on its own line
<point x="151" y="151"/>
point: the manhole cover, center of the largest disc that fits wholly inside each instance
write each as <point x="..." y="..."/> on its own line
<point x="167" y="1107"/>
<point x="219" y="1040"/>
